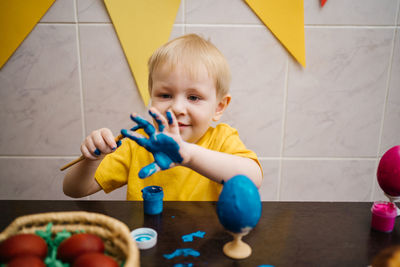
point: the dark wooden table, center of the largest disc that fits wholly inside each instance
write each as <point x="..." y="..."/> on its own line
<point x="288" y="233"/>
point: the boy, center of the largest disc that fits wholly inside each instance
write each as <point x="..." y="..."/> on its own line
<point x="189" y="87"/>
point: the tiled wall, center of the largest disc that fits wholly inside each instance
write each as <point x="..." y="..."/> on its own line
<point x="319" y="131"/>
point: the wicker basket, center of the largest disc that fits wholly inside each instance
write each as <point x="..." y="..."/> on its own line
<point x="115" y="234"/>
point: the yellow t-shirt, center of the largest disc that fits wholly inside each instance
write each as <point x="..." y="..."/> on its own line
<point x="178" y="183"/>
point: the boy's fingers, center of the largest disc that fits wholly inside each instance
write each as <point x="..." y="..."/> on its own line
<point x="90" y="146"/>
<point x="172" y="121"/>
<point x="134" y="128"/>
<point x="161" y="121"/>
<point x="86" y="153"/>
<point x="109" y="139"/>
<point x="99" y="143"/>
<point x="138" y="138"/>
<point x="169" y="117"/>
<point x="142" y="123"/>
<point x="149" y="170"/>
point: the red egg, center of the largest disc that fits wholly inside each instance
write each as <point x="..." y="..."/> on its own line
<point x="94" y="259"/>
<point x="22" y="245"/>
<point x="389" y="172"/>
<point x="79" y="244"/>
<point x="26" y="261"/>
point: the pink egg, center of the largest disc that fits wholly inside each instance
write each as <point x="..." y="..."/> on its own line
<point x="389" y="172"/>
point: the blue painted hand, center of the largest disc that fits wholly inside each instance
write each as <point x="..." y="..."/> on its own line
<point x="163" y="147"/>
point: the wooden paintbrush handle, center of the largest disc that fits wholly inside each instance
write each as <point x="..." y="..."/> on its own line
<point x="117" y="139"/>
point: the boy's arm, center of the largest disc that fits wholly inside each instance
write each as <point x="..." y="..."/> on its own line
<point x="219" y="166"/>
<point x="79" y="181"/>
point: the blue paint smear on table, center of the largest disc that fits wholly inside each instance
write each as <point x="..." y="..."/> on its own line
<point x="182" y="252"/>
<point x="189" y="237"/>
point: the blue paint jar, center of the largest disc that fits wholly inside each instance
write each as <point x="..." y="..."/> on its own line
<point x="153" y="199"/>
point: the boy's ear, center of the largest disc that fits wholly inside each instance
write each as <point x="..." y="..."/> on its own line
<point x="221" y="106"/>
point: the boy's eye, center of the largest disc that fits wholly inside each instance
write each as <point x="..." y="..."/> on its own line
<point x="194" y="98"/>
<point x="165" y="96"/>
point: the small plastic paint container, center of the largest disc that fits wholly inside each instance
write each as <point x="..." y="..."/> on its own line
<point x="145" y="238"/>
<point x="383" y="216"/>
<point x="152" y="199"/>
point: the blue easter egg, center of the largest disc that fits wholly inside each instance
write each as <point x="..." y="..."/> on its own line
<point x="239" y="205"/>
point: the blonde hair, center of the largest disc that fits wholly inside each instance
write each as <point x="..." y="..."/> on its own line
<point x="191" y="51"/>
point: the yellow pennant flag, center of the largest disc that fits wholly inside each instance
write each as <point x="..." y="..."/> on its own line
<point x="142" y="26"/>
<point x="17" y="19"/>
<point x="285" y="19"/>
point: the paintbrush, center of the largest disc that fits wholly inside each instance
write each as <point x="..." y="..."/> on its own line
<point x="117" y="139"/>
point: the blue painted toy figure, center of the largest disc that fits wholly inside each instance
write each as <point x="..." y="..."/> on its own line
<point x="180" y="151"/>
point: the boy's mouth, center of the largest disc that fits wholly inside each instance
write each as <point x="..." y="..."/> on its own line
<point x="180" y="124"/>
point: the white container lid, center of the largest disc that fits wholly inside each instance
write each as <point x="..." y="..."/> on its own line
<point x="145" y="238"/>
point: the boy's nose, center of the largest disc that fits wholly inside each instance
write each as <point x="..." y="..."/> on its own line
<point x="178" y="106"/>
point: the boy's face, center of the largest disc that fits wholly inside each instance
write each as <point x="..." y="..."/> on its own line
<point x="192" y="98"/>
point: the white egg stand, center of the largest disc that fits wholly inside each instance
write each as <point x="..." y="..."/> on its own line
<point x="393" y="200"/>
<point x="237" y="249"/>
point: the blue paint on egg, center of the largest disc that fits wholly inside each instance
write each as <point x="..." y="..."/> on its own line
<point x="239" y="205"/>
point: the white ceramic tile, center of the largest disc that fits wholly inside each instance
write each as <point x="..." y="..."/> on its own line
<point x="258" y="65"/>
<point x="391" y="128"/>
<point x="110" y="93"/>
<point x="398" y="15"/>
<point x="39" y="97"/>
<point x="180" y="14"/>
<point x="378" y="193"/>
<point x="60" y="11"/>
<point x="327" y="180"/>
<point x="96" y="11"/>
<point x="110" y="90"/>
<point x="219" y="12"/>
<point x="269" y="188"/>
<point x="335" y="104"/>
<point x="27" y="178"/>
<point x="354" y="12"/>
<point x="92" y="11"/>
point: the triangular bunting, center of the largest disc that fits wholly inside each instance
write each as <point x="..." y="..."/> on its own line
<point x="285" y="19"/>
<point x="323" y="2"/>
<point x="142" y="26"/>
<point x="17" y="19"/>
